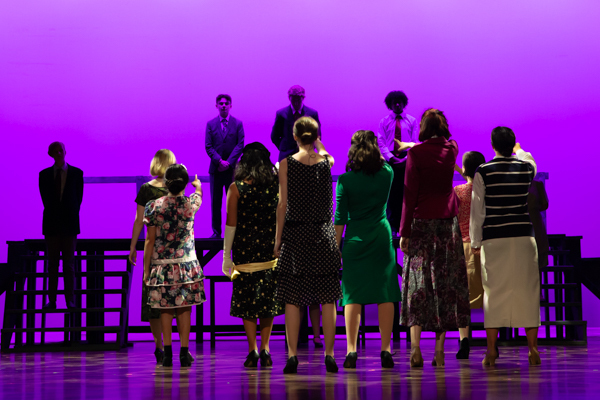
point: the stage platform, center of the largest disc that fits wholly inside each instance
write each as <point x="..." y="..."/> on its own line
<point x="565" y="373"/>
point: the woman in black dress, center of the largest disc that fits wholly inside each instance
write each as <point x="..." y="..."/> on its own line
<point x="309" y="258"/>
<point x="250" y="228"/>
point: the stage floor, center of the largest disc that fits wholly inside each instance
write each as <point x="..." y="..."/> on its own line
<point x="566" y="372"/>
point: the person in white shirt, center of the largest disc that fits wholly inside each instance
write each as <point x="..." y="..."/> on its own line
<point x="397" y="133"/>
<point x="501" y="231"/>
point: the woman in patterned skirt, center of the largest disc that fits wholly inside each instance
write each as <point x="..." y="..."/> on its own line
<point x="250" y="229"/>
<point x="171" y="269"/>
<point x="309" y="258"/>
<point x="435" y="292"/>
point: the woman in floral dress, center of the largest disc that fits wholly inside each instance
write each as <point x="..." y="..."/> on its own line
<point x="171" y="268"/>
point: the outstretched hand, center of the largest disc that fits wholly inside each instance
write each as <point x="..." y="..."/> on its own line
<point x="517" y="148"/>
<point x="196" y="182"/>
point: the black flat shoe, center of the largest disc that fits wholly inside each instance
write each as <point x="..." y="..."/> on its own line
<point x="465" y="349"/>
<point x="185" y="361"/>
<point x="386" y="360"/>
<point x="251" y="359"/>
<point x="350" y="360"/>
<point x="265" y="358"/>
<point x="160" y="355"/>
<point x="291" y="367"/>
<point x="330" y="364"/>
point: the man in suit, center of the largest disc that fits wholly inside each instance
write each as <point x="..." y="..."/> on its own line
<point x="282" y="134"/>
<point x="61" y="188"/>
<point x="224" y="142"/>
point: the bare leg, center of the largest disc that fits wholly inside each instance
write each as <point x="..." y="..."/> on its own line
<point x="440" y="339"/>
<point x="166" y="319"/>
<point x="314" y="310"/>
<point x="250" y="328"/>
<point x="352" y="317"/>
<point x="156" y="329"/>
<point x="532" y="343"/>
<point x="415" y="336"/>
<point x="492" y="338"/>
<point x="329" y="317"/>
<point x="463" y="332"/>
<point x="184" y="323"/>
<point x="386" y="323"/>
<point x="416" y="359"/>
<point x="266" y="326"/>
<point x="292" y="326"/>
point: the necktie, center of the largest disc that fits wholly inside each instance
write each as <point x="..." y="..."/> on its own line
<point x="398" y="131"/>
<point x="224" y="125"/>
<point x="58" y="183"/>
<point x="296" y="116"/>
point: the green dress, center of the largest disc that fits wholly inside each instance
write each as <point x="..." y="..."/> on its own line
<point x="369" y="261"/>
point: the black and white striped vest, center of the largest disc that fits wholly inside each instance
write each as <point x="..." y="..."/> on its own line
<point x="507" y="182"/>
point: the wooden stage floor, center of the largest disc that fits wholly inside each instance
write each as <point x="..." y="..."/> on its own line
<point x="566" y="373"/>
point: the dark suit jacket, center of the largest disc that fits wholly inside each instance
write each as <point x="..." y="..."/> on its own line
<point x="282" y="134"/>
<point x="61" y="218"/>
<point x="226" y="146"/>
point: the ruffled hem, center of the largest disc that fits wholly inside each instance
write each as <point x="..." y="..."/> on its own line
<point x="177" y="296"/>
<point x="175" y="274"/>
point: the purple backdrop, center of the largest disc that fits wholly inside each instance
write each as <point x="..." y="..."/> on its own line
<point x="115" y="81"/>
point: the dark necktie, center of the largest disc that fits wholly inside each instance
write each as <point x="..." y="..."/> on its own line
<point x="296" y="116"/>
<point x="224" y="125"/>
<point x="398" y="131"/>
<point x="58" y="183"/>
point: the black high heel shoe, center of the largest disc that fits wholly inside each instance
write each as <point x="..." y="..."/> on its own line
<point x="160" y="355"/>
<point x="291" y="367"/>
<point x="386" y="360"/>
<point x="251" y="359"/>
<point x="350" y="360"/>
<point x="168" y="357"/>
<point x="330" y="364"/>
<point x="265" y="358"/>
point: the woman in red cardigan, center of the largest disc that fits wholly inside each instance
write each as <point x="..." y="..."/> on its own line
<point x="435" y="292"/>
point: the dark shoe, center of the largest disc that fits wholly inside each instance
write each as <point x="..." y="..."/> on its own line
<point x="291" y="367"/>
<point x="51" y="305"/>
<point x="190" y="357"/>
<point x="160" y="355"/>
<point x="497" y="352"/>
<point x="215" y="236"/>
<point x="318" y="344"/>
<point x="71" y="304"/>
<point x="350" y="360"/>
<point x="330" y="364"/>
<point x="168" y="357"/>
<point x="465" y="349"/>
<point x="251" y="359"/>
<point x="183" y="357"/>
<point x="265" y="358"/>
<point x="386" y="360"/>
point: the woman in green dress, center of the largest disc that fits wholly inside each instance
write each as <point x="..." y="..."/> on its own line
<point x="369" y="263"/>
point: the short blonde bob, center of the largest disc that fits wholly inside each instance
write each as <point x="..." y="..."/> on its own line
<point x="161" y="161"/>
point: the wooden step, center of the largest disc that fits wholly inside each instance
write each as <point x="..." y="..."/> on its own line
<point x="77" y="274"/>
<point x="91" y="292"/>
<point x="65" y="310"/>
<point x="105" y="329"/>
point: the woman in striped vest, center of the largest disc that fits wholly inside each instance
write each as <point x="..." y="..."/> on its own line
<point x="501" y="231"/>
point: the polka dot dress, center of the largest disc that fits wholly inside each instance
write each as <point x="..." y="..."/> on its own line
<point x="309" y="262"/>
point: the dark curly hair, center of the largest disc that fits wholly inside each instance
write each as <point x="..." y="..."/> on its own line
<point x="433" y="123"/>
<point x="395" y="96"/>
<point x="256" y="165"/>
<point x="364" y="154"/>
<point x="471" y="161"/>
<point x="224" y="96"/>
<point x="503" y="140"/>
<point x="176" y="178"/>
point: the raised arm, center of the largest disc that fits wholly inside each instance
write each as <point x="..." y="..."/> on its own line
<point x="281" y="205"/>
<point x="524" y="156"/>
<point x="322" y="152"/>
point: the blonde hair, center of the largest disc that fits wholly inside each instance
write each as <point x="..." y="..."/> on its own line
<point x="161" y="161"/>
<point x="306" y="130"/>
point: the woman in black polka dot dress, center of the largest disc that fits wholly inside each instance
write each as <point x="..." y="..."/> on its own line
<point x="309" y="259"/>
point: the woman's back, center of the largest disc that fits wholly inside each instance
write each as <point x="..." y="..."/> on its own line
<point x="310" y="193"/>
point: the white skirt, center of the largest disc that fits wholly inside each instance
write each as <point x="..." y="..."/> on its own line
<point x="511" y="283"/>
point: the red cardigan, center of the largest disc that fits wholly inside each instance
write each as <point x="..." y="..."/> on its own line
<point x="428" y="190"/>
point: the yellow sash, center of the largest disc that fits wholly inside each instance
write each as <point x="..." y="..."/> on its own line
<point x="252" y="267"/>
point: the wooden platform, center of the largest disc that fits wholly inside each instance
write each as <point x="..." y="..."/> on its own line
<point x="566" y="373"/>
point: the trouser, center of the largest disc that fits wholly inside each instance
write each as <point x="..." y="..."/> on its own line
<point x="54" y="246"/>
<point x="394" y="204"/>
<point x="218" y="182"/>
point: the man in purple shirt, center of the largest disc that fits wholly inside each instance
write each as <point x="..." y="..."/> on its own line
<point x="397" y="133"/>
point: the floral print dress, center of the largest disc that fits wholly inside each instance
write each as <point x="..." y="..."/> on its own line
<point x="176" y="279"/>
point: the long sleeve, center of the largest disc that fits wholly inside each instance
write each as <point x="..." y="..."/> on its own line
<point x="208" y="143"/>
<point x="414" y="131"/>
<point x="527" y="157"/>
<point x="316" y="118"/>
<point x="341" y="200"/>
<point x="237" y="151"/>
<point x="411" y="192"/>
<point x="381" y="142"/>
<point x="277" y="131"/>
<point x="80" y="189"/>
<point x="477" y="211"/>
